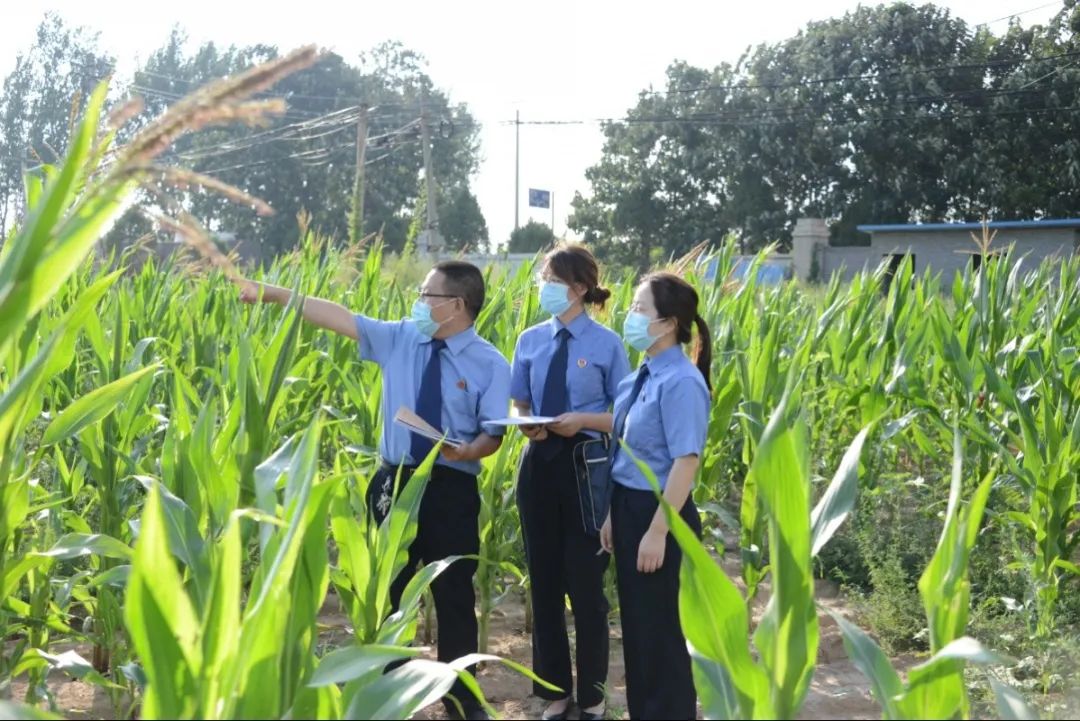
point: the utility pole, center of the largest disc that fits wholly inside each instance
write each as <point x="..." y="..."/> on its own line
<point x="553" y="213"/>
<point x="429" y="241"/>
<point x="517" y="168"/>
<point x="356" y="221"/>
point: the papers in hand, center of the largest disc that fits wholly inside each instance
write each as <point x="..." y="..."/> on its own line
<point x="418" y="425"/>
<point x="522" y="421"/>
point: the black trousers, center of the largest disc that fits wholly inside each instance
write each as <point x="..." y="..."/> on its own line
<point x="447" y="526"/>
<point x="562" y="560"/>
<point x="659" y="682"/>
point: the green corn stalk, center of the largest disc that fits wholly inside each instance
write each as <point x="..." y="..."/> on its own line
<point x="1046" y="463"/>
<point x="500" y="534"/>
<point x="714" y="615"/>
<point x="935" y="688"/>
<point x="371" y="555"/>
<point x="64" y="219"/>
<point x="227" y="659"/>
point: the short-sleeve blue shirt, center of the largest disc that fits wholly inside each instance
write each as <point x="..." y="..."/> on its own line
<point x="475" y="384"/>
<point x="596" y="364"/>
<point x="670" y="418"/>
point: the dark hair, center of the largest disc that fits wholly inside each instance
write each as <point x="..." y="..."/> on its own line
<point x="465" y="281"/>
<point x="575" y="264"/>
<point x="676" y="299"/>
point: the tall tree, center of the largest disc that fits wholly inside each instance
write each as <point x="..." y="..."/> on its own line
<point x="888" y="114"/>
<point x="307" y="159"/>
<point x="303" y="160"/>
<point x="62" y="66"/>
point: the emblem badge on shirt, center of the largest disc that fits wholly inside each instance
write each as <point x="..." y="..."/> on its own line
<point x="462" y="385"/>
<point x="581" y="362"/>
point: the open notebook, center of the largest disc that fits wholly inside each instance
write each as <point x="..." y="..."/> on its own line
<point x="418" y="425"/>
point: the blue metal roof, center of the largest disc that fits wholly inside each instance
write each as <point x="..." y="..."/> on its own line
<point x="995" y="225"/>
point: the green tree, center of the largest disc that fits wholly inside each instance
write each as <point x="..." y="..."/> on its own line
<point x="61" y="67"/>
<point x="461" y="221"/>
<point x="307" y="160"/>
<point x="893" y="113"/>
<point x="531" y="238"/>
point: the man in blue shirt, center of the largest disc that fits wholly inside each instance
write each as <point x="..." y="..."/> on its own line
<point x="435" y="364"/>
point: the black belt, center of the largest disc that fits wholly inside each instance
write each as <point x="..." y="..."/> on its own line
<point x="405" y="467"/>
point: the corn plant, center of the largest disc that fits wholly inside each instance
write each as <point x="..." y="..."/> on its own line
<point x="715" y="619"/>
<point x="1046" y="465"/>
<point x="64" y="219"/>
<point x="227" y="659"/>
<point x="500" y="534"/>
<point x="936" y="687"/>
<point x="370" y="556"/>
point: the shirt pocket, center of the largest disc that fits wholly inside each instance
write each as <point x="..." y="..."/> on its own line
<point x="586" y="381"/>
<point x="463" y="405"/>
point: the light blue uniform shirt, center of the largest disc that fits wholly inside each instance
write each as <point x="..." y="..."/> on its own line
<point x="475" y="384"/>
<point x="596" y="362"/>
<point x="670" y="418"/>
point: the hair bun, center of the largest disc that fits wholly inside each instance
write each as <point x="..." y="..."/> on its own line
<point x="599" y="294"/>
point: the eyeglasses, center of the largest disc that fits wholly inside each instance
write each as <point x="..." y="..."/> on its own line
<point x="425" y="294"/>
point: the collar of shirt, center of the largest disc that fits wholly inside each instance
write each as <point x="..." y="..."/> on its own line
<point x="576" y="327"/>
<point x="459" y="341"/>
<point x="665" y="359"/>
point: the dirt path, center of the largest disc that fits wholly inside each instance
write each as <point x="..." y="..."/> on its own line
<point x="838" y="689"/>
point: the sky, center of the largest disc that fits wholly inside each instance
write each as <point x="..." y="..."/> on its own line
<point x="558" y="60"/>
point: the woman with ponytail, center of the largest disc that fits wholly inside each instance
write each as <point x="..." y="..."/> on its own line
<point x="567" y="368"/>
<point x="662" y="416"/>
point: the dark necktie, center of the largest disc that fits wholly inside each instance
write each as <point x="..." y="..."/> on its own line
<point x="429" y="401"/>
<point x="554" y="402"/>
<point x="620" y="420"/>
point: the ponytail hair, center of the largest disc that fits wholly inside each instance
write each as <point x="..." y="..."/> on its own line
<point x="703" y="351"/>
<point x="676" y="299"/>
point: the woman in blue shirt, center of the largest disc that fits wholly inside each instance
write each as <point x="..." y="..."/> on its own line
<point x="662" y="415"/>
<point x="567" y="368"/>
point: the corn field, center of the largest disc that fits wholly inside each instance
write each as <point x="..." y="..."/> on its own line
<point x="182" y="476"/>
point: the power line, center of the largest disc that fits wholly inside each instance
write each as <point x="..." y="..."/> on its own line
<point x="1018" y="14"/>
<point x="289" y="95"/>
<point x="332" y="154"/>
<point x="702" y="121"/>
<point x="941" y="69"/>
<point x="216" y="151"/>
<point x="748" y="122"/>
<point x="294" y="113"/>
<point x="338" y="118"/>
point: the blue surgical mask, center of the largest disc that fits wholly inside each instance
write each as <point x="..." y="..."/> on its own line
<point x="636" y="331"/>
<point x="554" y="297"/>
<point x="421" y="316"/>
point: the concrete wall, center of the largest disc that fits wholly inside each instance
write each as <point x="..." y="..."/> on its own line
<point x="847" y="261"/>
<point x="950" y="252"/>
<point x="944" y="252"/>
